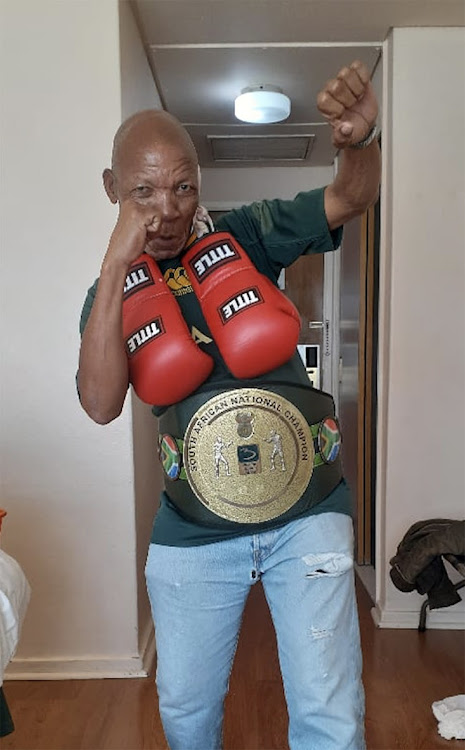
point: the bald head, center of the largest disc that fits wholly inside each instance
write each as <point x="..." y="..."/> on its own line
<point x="155" y="176"/>
<point x="146" y="129"/>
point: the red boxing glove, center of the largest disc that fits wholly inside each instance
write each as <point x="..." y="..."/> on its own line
<point x="254" y="325"/>
<point x="165" y="364"/>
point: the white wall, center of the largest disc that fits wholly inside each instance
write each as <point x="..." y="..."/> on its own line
<point x="224" y="187"/>
<point x="138" y="89"/>
<point x="68" y="484"/>
<point x="422" y="320"/>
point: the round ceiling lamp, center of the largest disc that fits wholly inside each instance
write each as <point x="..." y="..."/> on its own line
<point x="262" y="104"/>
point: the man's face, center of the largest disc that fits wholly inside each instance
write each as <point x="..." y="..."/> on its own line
<point x="163" y="180"/>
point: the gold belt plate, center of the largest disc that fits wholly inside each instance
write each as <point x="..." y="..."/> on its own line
<point x="248" y="455"/>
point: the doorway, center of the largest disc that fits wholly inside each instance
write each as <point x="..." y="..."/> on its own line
<point x="359" y="293"/>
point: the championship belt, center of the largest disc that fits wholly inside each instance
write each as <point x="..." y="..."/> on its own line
<point x="250" y="455"/>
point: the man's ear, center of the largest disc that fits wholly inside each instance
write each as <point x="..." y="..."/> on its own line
<point x="109" y="183"/>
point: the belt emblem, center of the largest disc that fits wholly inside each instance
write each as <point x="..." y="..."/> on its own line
<point x="169" y="456"/>
<point x="248" y="455"/>
<point x="329" y="440"/>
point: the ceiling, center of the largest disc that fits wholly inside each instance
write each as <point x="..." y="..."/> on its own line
<point x="204" y="52"/>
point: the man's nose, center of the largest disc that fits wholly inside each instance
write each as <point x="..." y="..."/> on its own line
<point x="167" y="204"/>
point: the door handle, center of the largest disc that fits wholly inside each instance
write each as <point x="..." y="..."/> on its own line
<point x="322" y="325"/>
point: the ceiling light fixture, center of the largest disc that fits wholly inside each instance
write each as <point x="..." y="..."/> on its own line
<point x="262" y="104"/>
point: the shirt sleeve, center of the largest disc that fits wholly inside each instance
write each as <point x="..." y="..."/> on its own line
<point x="275" y="233"/>
<point x="85" y="312"/>
<point x="87" y="307"/>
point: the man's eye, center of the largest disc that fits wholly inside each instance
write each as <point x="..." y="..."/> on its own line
<point x="184" y="187"/>
<point x="141" y="190"/>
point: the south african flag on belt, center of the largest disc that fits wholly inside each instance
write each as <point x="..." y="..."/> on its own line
<point x="329" y="440"/>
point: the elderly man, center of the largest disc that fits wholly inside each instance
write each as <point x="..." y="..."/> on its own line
<point x="184" y="314"/>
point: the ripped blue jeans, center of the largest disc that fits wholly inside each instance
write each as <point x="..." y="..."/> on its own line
<point x="198" y="595"/>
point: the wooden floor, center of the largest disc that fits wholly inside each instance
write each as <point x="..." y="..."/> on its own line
<point x="404" y="673"/>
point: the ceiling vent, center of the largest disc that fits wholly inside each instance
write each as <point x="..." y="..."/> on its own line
<point x="260" y="148"/>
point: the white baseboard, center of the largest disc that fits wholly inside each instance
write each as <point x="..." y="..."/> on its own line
<point x="147" y="646"/>
<point x="87" y="668"/>
<point x="443" y="619"/>
<point x="74" y="669"/>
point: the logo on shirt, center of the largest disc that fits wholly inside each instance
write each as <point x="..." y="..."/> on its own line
<point x="199" y="337"/>
<point x="178" y="281"/>
<point x="238" y="303"/>
<point x="210" y="258"/>
<point x="144" y="335"/>
<point x="138" y="278"/>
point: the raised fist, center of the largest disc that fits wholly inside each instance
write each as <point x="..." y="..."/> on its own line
<point x="131" y="234"/>
<point x="349" y="104"/>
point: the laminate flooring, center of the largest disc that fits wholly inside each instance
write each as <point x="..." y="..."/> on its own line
<point x="404" y="672"/>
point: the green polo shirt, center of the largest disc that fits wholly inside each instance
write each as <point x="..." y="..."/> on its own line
<point x="274" y="234"/>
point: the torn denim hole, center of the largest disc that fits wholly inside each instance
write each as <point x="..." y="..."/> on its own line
<point x="318" y="633"/>
<point x="328" y="564"/>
